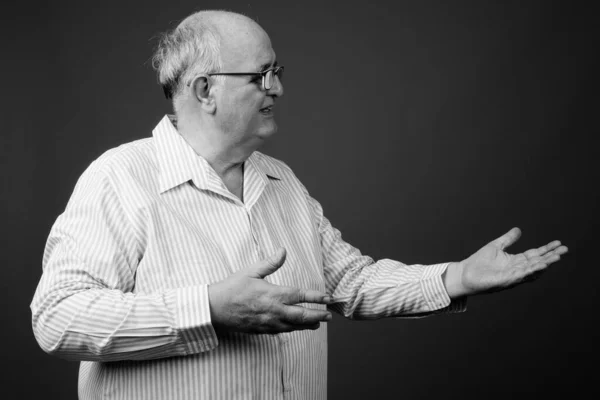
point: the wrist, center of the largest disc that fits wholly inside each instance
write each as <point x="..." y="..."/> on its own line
<point x="213" y="304"/>
<point x="452" y="279"/>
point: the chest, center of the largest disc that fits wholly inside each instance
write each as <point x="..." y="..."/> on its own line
<point x="197" y="237"/>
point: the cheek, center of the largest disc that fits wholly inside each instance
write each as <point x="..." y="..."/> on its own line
<point x="255" y="101"/>
<point x="249" y="108"/>
<point x="242" y="109"/>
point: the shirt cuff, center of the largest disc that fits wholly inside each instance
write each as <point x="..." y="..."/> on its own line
<point x="433" y="287"/>
<point x="435" y="292"/>
<point x="190" y="307"/>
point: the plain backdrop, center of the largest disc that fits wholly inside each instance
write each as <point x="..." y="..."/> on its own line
<point x="424" y="128"/>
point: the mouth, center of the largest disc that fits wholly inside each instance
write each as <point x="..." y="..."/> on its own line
<point x="267" y="110"/>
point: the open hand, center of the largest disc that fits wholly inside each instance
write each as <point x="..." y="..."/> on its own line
<point x="245" y="302"/>
<point x="492" y="269"/>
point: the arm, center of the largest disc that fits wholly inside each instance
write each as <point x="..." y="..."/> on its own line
<point x="365" y="289"/>
<point x="84" y="307"/>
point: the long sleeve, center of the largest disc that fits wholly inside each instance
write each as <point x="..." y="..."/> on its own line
<point x="85" y="307"/>
<point x="365" y="289"/>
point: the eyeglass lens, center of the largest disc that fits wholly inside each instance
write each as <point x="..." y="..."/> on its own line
<point x="269" y="77"/>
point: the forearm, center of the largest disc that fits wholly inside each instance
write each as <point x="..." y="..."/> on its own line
<point x="366" y="289"/>
<point x="389" y="288"/>
<point x="109" y="325"/>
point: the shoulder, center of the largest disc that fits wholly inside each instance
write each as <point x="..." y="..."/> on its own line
<point x="126" y="157"/>
<point x="125" y="166"/>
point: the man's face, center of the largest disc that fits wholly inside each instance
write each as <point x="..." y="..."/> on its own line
<point x="244" y="109"/>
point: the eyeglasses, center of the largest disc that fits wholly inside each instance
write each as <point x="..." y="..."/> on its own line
<point x="267" y="76"/>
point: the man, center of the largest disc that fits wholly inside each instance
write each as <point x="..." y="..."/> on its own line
<point x="190" y="266"/>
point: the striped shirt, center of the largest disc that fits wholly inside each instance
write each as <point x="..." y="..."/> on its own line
<point x="149" y="226"/>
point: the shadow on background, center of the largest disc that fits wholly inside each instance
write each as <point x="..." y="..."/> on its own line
<point x="425" y="129"/>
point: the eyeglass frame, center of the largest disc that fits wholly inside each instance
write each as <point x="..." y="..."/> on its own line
<point x="262" y="74"/>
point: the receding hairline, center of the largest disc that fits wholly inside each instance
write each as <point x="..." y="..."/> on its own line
<point x="234" y="31"/>
<point x="222" y="22"/>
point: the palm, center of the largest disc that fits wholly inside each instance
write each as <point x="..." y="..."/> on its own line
<point x="492" y="269"/>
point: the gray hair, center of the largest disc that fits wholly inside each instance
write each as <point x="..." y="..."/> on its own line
<point x="192" y="48"/>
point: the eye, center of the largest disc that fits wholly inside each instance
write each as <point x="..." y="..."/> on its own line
<point x="256" y="79"/>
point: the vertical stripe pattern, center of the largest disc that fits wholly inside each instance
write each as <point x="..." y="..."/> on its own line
<point x="149" y="226"/>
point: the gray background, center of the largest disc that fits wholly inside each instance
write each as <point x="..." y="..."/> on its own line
<point x="425" y="129"/>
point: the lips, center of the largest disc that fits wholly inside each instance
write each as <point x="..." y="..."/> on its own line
<point x="267" y="109"/>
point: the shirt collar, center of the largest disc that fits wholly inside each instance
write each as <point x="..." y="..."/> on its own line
<point x="179" y="163"/>
<point x="265" y="166"/>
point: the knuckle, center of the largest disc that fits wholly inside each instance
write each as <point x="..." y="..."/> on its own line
<point x="290" y="315"/>
<point x="295" y="316"/>
<point x="264" y="320"/>
<point x="268" y="302"/>
<point x="281" y="296"/>
<point x="304" y="317"/>
<point x="294" y="295"/>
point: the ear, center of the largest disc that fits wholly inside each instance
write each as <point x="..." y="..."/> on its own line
<point x="201" y="91"/>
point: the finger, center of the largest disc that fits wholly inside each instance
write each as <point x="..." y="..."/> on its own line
<point x="287" y="327"/>
<point x="551" y="258"/>
<point x="534" y="270"/>
<point x="537" y="268"/>
<point x="340" y="299"/>
<point x="508" y="238"/>
<point x="295" y="296"/>
<point x="269" y="265"/>
<point x="304" y="316"/>
<point x="546" y="259"/>
<point x="312" y="327"/>
<point x="542" y="250"/>
<point x="561" y="250"/>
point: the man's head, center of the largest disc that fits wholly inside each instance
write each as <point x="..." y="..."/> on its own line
<point x="210" y="42"/>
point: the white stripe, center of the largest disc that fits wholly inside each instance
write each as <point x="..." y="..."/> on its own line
<point x="149" y="226"/>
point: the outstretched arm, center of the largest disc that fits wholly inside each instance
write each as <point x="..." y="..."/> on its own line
<point x="492" y="269"/>
<point x="362" y="288"/>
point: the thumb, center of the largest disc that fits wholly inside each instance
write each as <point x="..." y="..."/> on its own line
<point x="508" y="238"/>
<point x="269" y="265"/>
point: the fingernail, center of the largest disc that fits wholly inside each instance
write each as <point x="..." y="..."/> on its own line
<point x="327" y="299"/>
<point x="328" y="317"/>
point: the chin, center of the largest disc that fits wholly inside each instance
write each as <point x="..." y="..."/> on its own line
<point x="266" y="133"/>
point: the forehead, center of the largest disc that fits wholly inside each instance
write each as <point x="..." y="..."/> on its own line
<point x="246" y="47"/>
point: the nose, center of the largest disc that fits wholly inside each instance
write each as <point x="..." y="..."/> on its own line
<point x="277" y="88"/>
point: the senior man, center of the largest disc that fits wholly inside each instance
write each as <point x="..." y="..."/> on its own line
<point x="190" y="266"/>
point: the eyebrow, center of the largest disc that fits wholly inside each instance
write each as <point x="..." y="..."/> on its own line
<point x="268" y="65"/>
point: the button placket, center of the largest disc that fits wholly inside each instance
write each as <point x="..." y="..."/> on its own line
<point x="255" y="235"/>
<point x="285" y="360"/>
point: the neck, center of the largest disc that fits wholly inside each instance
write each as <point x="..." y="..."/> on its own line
<point x="227" y="159"/>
